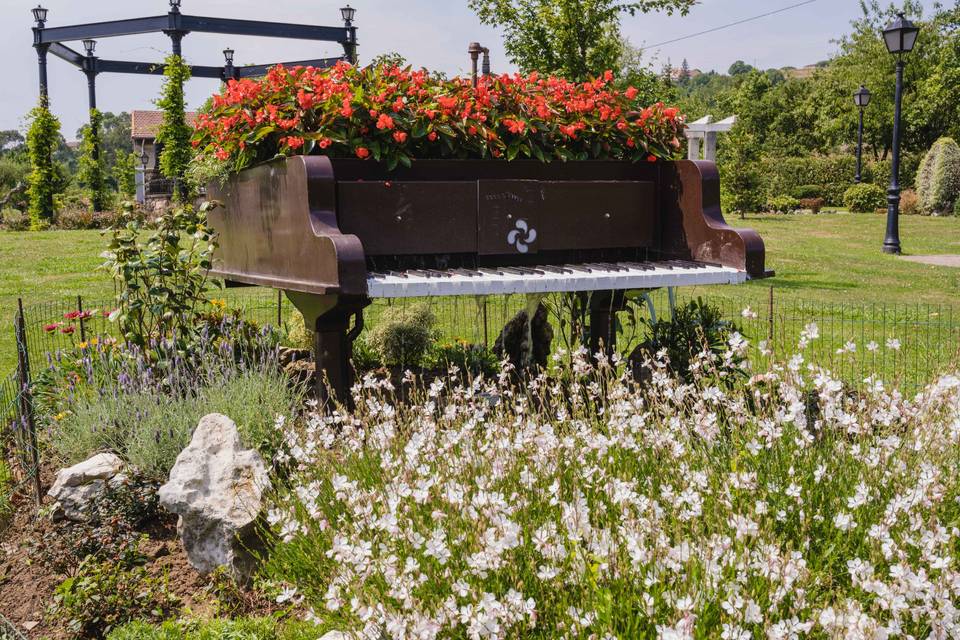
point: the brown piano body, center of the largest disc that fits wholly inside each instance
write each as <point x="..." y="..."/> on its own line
<point x="317" y="227"/>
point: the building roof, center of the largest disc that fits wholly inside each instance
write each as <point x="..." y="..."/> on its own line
<point x="144" y="125"/>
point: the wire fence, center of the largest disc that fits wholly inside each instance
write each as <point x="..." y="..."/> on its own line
<point x="904" y="345"/>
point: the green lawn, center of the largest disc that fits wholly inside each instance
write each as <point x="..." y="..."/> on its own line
<point x="832" y="259"/>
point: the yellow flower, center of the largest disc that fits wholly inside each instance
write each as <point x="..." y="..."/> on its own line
<point x="220" y="303"/>
<point x="94" y="342"/>
<point x="82" y="345"/>
<point x="60" y="416"/>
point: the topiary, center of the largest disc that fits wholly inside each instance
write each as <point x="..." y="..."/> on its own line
<point x="864" y="198"/>
<point x="813" y="204"/>
<point x="807" y="191"/>
<point x="938" y="179"/>
<point x="403" y="334"/>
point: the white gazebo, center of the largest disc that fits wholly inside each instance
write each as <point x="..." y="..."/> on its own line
<point x="702" y="134"/>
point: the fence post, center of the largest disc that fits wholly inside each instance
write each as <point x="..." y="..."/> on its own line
<point x="25" y="398"/>
<point x="770" y="318"/>
<point x="486" y="339"/>
<point x="83" y="325"/>
<point x="279" y="308"/>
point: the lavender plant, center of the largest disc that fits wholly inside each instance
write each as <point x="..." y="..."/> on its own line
<point x="597" y="508"/>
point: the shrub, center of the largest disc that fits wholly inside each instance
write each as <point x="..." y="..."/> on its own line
<point x="298" y="335"/>
<point x="807" y="191"/>
<point x="864" y="198"/>
<point x="783" y="204"/>
<point x="403" y="333"/>
<point x="161" y="276"/>
<point x="125" y="173"/>
<point x="831" y="175"/>
<point x="938" y="180"/>
<point x="910" y="203"/>
<point x="92" y="172"/>
<point x="103" y="595"/>
<point x="14" y="220"/>
<point x="471" y="358"/>
<point x="815" y="205"/>
<point x="694" y="327"/>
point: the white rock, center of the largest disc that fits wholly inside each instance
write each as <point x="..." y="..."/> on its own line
<point x="216" y="487"/>
<point x="336" y="635"/>
<point x="76" y="488"/>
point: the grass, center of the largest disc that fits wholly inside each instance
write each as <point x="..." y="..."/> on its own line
<point x="831" y="258"/>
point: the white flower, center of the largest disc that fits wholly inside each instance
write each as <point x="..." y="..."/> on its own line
<point x="748" y="313"/>
<point x="893" y="343"/>
<point x="872" y="346"/>
<point x="844" y="521"/>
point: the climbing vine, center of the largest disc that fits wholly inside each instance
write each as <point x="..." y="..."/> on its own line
<point x="93" y="170"/>
<point x="42" y="138"/>
<point x="174" y="132"/>
<point x="125" y="173"/>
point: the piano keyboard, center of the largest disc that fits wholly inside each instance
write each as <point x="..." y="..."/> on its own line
<point x="419" y="283"/>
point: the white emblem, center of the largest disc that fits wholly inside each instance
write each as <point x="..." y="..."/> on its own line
<point x="522" y="237"/>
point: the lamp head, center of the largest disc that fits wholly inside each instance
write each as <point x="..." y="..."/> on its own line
<point x="89" y="46"/>
<point x="861" y="97"/>
<point x="144" y="159"/>
<point x="900" y="35"/>
<point x="39" y="15"/>
<point x="348" y="13"/>
<point x="228" y="56"/>
<point x="175" y="5"/>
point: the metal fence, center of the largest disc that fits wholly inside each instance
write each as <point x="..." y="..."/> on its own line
<point x="905" y="345"/>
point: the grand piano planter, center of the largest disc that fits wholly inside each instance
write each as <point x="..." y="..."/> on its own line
<point x="336" y="233"/>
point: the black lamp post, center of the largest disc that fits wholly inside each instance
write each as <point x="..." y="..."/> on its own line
<point x="175" y="33"/>
<point x="348" y="13"/>
<point x="40" y="20"/>
<point x="899" y="36"/>
<point x="228" y="71"/>
<point x="861" y="98"/>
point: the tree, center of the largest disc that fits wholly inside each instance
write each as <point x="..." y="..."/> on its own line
<point x="93" y="173"/>
<point x="42" y="139"/>
<point x="634" y="72"/>
<point x="174" y="133"/>
<point x="575" y="39"/>
<point x="684" y="72"/>
<point x="739" y="68"/>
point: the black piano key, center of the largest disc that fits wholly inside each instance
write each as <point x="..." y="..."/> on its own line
<point x="397" y="274"/>
<point x="553" y="269"/>
<point x="489" y="271"/>
<point x="466" y="272"/>
<point x="527" y="271"/>
<point x="639" y="266"/>
<point x="578" y="267"/>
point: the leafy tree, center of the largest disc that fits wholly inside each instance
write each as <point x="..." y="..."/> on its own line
<point x="634" y="72"/>
<point x="174" y="134"/>
<point x="684" y="72"/>
<point x="93" y="173"/>
<point x="11" y="142"/>
<point x="575" y="39"/>
<point x="739" y="68"/>
<point x="42" y="138"/>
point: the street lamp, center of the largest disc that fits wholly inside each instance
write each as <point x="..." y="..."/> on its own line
<point x="348" y="13"/>
<point x="228" y="69"/>
<point x="90" y="46"/>
<point x="861" y="98"/>
<point x="899" y="36"/>
<point x="39" y="15"/>
<point x="175" y="5"/>
<point x="144" y="159"/>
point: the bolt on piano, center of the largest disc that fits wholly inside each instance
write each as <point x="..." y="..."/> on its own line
<point x="336" y="233"/>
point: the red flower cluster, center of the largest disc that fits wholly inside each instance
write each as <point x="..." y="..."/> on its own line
<point x="396" y="115"/>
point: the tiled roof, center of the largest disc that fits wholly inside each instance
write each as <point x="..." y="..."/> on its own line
<point x="145" y="124"/>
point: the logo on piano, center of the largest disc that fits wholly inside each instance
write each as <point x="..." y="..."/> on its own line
<point x="522" y="237"/>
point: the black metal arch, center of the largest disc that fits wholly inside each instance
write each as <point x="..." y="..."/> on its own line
<point x="175" y="25"/>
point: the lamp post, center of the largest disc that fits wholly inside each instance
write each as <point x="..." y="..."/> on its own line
<point x="40" y="21"/>
<point x="228" y="70"/>
<point x="90" y="70"/>
<point x="144" y="159"/>
<point x="861" y="98"/>
<point x="899" y="37"/>
<point x="175" y="33"/>
<point x="348" y="13"/>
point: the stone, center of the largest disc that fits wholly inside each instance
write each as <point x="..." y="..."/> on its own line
<point x="336" y="635"/>
<point x="301" y="372"/>
<point x="76" y="489"/>
<point x="216" y="487"/>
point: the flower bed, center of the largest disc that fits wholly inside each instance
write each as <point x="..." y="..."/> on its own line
<point x="396" y="115"/>
<point x="779" y="507"/>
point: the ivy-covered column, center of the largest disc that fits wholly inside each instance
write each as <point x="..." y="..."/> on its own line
<point x="174" y="132"/>
<point x="42" y="138"/>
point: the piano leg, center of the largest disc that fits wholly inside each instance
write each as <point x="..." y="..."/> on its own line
<point x="333" y="340"/>
<point x="604" y="306"/>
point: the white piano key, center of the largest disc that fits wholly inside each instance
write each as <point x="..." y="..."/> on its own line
<point x="652" y="276"/>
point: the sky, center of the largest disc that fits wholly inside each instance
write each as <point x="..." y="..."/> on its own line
<point x="430" y="33"/>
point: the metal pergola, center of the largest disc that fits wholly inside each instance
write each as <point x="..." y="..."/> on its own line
<point x="175" y="25"/>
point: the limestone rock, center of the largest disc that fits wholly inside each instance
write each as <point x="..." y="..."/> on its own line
<point x="216" y="487"/>
<point x="76" y="488"/>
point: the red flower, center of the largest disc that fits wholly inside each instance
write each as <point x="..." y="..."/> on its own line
<point x="324" y="143"/>
<point x="400" y="136"/>
<point x="50" y="328"/>
<point x="294" y="142"/>
<point x="222" y="154"/>
<point x="651" y="158"/>
<point x="432" y="136"/>
<point x="631" y="93"/>
<point x="72" y="315"/>
<point x="385" y="122"/>
<point x="569" y="130"/>
<point x="347" y="110"/>
<point x="670" y="113"/>
<point x="68" y="329"/>
<point x="363" y="153"/>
